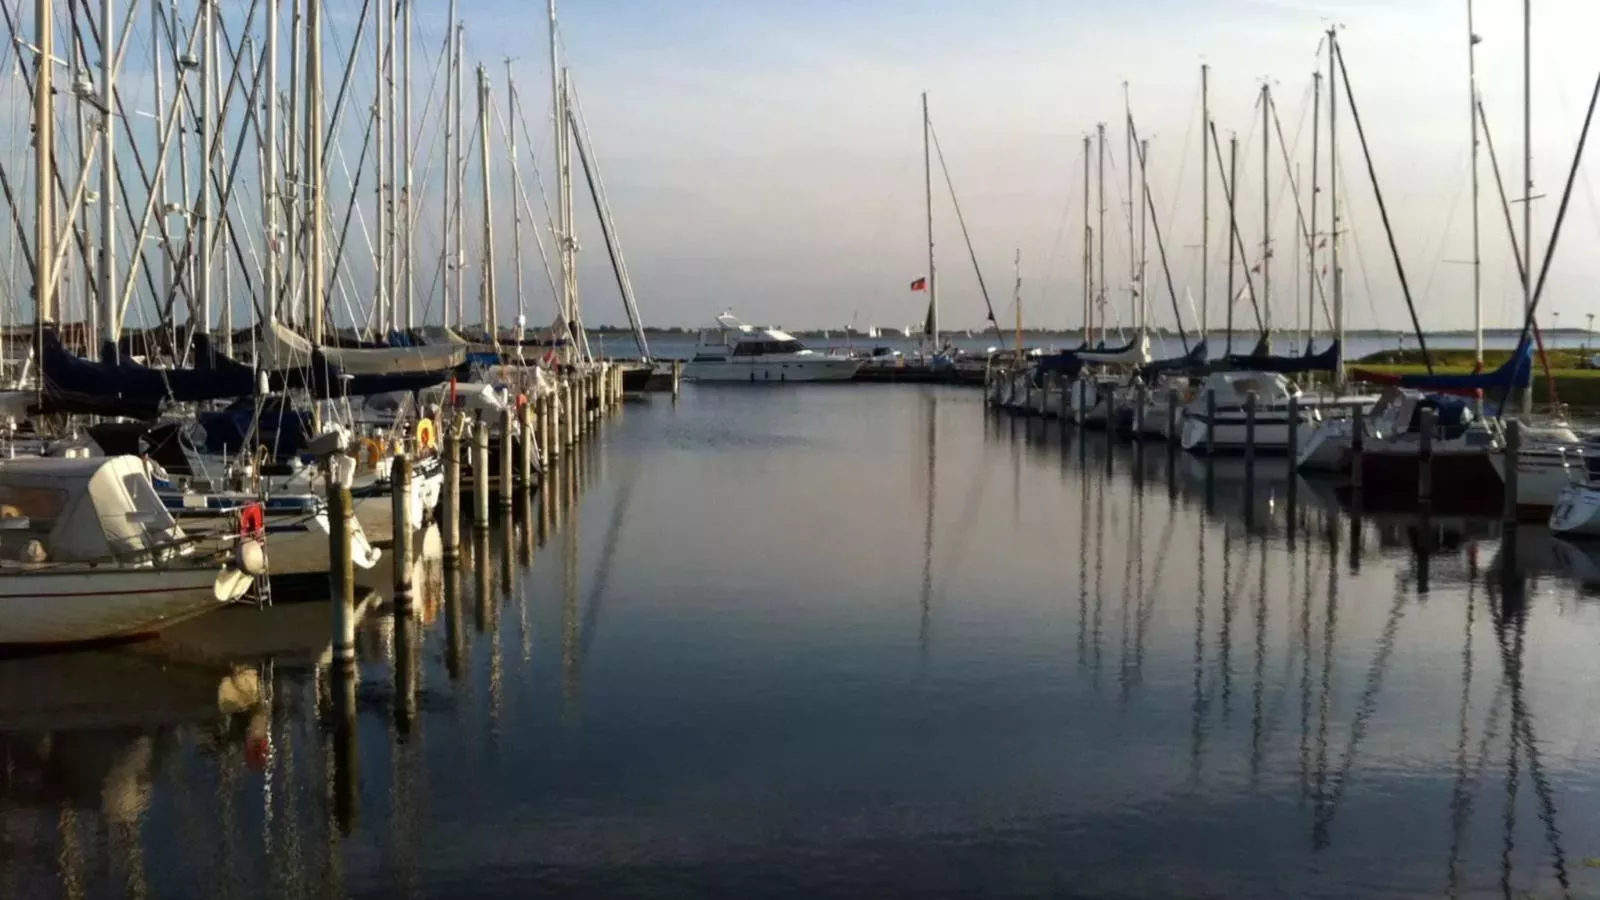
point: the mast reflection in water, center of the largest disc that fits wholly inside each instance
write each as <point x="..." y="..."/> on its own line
<point x="858" y="641"/>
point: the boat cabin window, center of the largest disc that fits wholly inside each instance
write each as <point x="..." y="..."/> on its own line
<point x="27" y="514"/>
<point x="761" y="348"/>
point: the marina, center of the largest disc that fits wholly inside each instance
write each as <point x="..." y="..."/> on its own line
<point x="361" y="536"/>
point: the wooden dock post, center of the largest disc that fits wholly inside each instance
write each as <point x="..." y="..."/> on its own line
<point x="1141" y="397"/>
<point x="341" y="574"/>
<point x="508" y="449"/>
<point x="569" y="411"/>
<point x="527" y="445"/>
<point x="450" y="505"/>
<point x="545" y="432"/>
<point x="677" y="376"/>
<point x="1292" y="449"/>
<point x="1250" y="428"/>
<point x="1425" y="455"/>
<point x="1211" y="421"/>
<point x="1512" y="454"/>
<point x="1173" y="437"/>
<point x="1358" y="445"/>
<point x="481" y="478"/>
<point x="400" y="496"/>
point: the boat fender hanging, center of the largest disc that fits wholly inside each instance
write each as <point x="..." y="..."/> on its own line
<point x="252" y="521"/>
<point x="250" y="557"/>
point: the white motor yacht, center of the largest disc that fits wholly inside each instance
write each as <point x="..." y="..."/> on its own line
<point x="736" y="352"/>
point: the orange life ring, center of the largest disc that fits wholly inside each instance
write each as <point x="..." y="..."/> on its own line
<point x="427" y="433"/>
<point x="371" y="452"/>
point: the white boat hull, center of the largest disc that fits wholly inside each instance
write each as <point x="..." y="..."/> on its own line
<point x="81" y="604"/>
<point x="764" y="370"/>
<point x="1542" y="478"/>
<point x="1271" y="433"/>
<point x="1326" y="448"/>
<point x="1577" y="512"/>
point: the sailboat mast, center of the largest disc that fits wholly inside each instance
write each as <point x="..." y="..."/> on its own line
<point x="1311" y="239"/>
<point x="408" y="220"/>
<point x="1016" y="298"/>
<point x="556" y="103"/>
<point x="1233" y="226"/>
<point x="1133" y="249"/>
<point x="1477" y="262"/>
<point x="269" y="187"/>
<point x="449" y="256"/>
<point x="459" y="174"/>
<point x="491" y="319"/>
<point x="391" y="237"/>
<point x="1144" y="234"/>
<point x="1527" y="178"/>
<point x="516" y="191"/>
<point x="108" y="184"/>
<point x="44" y="140"/>
<point x="1088" y="249"/>
<point x="1266" y="206"/>
<point x="208" y="126"/>
<point x="1100" y="298"/>
<point x="1333" y="205"/>
<point x="380" y="281"/>
<point x="316" y="279"/>
<point x="1205" y="202"/>
<point x="927" y="188"/>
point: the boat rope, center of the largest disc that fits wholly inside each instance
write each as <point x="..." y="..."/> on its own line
<point x="1383" y="208"/>
<point x="1161" y="247"/>
<point x="965" y="235"/>
<point x="1238" y="241"/>
<point x="1561" y="216"/>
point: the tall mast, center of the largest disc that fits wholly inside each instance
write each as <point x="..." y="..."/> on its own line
<point x="559" y="107"/>
<point x="1266" y="207"/>
<point x="380" y="116"/>
<point x="1016" y="297"/>
<point x="516" y="191"/>
<point x="316" y="275"/>
<point x="1205" y="202"/>
<point x="157" y="55"/>
<point x="927" y="187"/>
<point x="1144" y="235"/>
<point x="391" y="236"/>
<point x="208" y="129"/>
<point x="458" y="174"/>
<point x="44" y="139"/>
<point x="408" y="215"/>
<point x="110" y="329"/>
<point x="1311" y="239"/>
<point x="294" y="159"/>
<point x="490" y="313"/>
<point x="1100" y="298"/>
<point x="451" y="139"/>
<point x="1527" y="178"/>
<point x="1477" y="263"/>
<point x="1133" y="252"/>
<point x="1232" y="188"/>
<point x="1333" y="205"/>
<point x="269" y="177"/>
<point x="1088" y="249"/>
<point x="580" y="336"/>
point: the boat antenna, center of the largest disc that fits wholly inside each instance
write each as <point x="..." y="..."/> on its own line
<point x="1383" y="209"/>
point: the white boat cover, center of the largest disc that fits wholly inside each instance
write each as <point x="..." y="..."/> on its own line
<point x="1272" y="388"/>
<point x="87" y="508"/>
<point x="469" y="396"/>
<point x="439" y="335"/>
<point x="1137" y="355"/>
<point x="281" y="348"/>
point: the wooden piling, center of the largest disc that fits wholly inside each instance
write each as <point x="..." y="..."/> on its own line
<point x="341" y="573"/>
<point x="1425" y="455"/>
<point x="1250" y="428"/>
<point x="527" y="445"/>
<point x="480" y="474"/>
<point x="400" y="496"/>
<point x="1173" y="437"/>
<point x="1211" y="421"/>
<point x="1512" y="453"/>
<point x="1141" y="395"/>
<point x="1292" y="448"/>
<point x="677" y="376"/>
<point x="1358" y="444"/>
<point x="508" y="449"/>
<point x="450" y="511"/>
<point x="546" y="408"/>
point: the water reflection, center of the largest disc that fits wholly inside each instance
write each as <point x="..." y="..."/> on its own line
<point x="867" y="641"/>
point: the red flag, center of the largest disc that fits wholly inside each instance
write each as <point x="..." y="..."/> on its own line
<point x="1322" y="243"/>
<point x="1324" y="268"/>
<point x="1257" y="269"/>
<point x="919" y="283"/>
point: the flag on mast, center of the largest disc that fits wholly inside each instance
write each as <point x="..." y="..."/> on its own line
<point x="920" y="283"/>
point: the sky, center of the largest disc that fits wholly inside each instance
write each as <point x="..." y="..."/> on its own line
<point x="767" y="157"/>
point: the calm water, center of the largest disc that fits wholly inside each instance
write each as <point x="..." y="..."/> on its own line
<point x="865" y="641"/>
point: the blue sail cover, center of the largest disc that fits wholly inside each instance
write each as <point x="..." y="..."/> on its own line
<point x="215" y="377"/>
<point x="1070" y="363"/>
<point x="1326" y="361"/>
<point x="1514" y="373"/>
<point x="1193" y="361"/>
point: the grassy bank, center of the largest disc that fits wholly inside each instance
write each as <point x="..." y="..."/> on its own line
<point x="1575" y="386"/>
